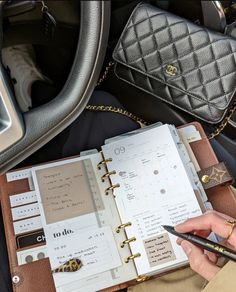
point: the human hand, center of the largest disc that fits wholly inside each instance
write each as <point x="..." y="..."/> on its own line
<point x="203" y="262"/>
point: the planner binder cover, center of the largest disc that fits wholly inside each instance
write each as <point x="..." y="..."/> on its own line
<point x="10" y="185"/>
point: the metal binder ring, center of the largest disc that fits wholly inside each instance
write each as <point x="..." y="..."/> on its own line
<point x="103" y="162"/>
<point x="133" y="256"/>
<point x="108" y="174"/>
<point x="127" y="241"/>
<point x="142" y="278"/>
<point x="124" y="225"/>
<point x="111" y="188"/>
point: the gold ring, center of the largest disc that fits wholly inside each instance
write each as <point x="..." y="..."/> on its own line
<point x="231" y="223"/>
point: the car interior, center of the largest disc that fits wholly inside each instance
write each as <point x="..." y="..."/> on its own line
<point x="73" y="42"/>
<point x="57" y="56"/>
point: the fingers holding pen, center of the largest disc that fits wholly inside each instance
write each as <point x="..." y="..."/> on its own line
<point x="212" y="256"/>
<point x="210" y="221"/>
<point x="199" y="261"/>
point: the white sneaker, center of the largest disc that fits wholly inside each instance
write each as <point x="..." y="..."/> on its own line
<point x="20" y="60"/>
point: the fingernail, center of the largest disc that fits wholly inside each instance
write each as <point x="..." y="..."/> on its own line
<point x="179" y="240"/>
<point x="177" y="226"/>
<point x="186" y="247"/>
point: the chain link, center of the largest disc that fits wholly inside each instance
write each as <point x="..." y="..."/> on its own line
<point x="105" y="73"/>
<point x="224" y="123"/>
<point x="103" y="108"/>
<point x="44" y="7"/>
<point x="143" y="123"/>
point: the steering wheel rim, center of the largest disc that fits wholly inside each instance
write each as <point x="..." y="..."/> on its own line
<point x="45" y="122"/>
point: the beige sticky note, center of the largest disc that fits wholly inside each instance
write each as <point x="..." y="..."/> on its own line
<point x="65" y="191"/>
<point x="159" y="250"/>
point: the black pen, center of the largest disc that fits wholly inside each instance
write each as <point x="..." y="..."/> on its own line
<point x="204" y="243"/>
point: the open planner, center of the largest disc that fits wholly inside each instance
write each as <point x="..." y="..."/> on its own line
<point x="105" y="210"/>
<point x="109" y="212"/>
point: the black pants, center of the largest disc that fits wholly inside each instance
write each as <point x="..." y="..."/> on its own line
<point x="88" y="132"/>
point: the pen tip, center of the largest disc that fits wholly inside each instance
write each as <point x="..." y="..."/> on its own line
<point x="167" y="227"/>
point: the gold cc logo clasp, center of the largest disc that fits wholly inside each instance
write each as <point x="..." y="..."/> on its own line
<point x="171" y="70"/>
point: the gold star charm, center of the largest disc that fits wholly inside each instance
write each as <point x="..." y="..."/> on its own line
<point x="217" y="174"/>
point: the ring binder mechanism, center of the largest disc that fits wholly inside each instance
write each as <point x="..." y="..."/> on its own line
<point x="107" y="175"/>
<point x="133" y="256"/>
<point x="111" y="188"/>
<point x="103" y="162"/>
<point x="122" y="226"/>
<point x="143" y="278"/>
<point x="127" y="241"/>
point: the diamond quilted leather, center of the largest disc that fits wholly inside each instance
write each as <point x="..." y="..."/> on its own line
<point x="178" y="61"/>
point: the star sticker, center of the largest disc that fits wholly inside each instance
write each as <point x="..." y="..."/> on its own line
<point x="217" y="174"/>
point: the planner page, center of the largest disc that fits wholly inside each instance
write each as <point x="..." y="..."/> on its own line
<point x="79" y="221"/>
<point x="152" y="188"/>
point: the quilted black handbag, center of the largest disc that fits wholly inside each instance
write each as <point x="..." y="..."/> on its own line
<point x="179" y="62"/>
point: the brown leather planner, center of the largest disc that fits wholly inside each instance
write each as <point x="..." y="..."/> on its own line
<point x="37" y="277"/>
<point x="221" y="197"/>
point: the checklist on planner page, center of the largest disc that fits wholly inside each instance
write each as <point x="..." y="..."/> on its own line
<point x="79" y="222"/>
<point x="155" y="189"/>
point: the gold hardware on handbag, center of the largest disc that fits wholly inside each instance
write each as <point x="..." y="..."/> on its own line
<point x="192" y="69"/>
<point x="103" y="108"/>
<point x="171" y="70"/>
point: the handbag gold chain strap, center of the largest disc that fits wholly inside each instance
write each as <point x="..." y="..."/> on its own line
<point x="143" y="123"/>
<point x="224" y="123"/>
<point x="105" y="73"/>
<point x="108" y="108"/>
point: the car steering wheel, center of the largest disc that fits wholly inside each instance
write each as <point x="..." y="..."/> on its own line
<point x="23" y="134"/>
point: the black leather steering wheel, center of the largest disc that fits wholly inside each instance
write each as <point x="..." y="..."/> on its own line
<point x="40" y="125"/>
